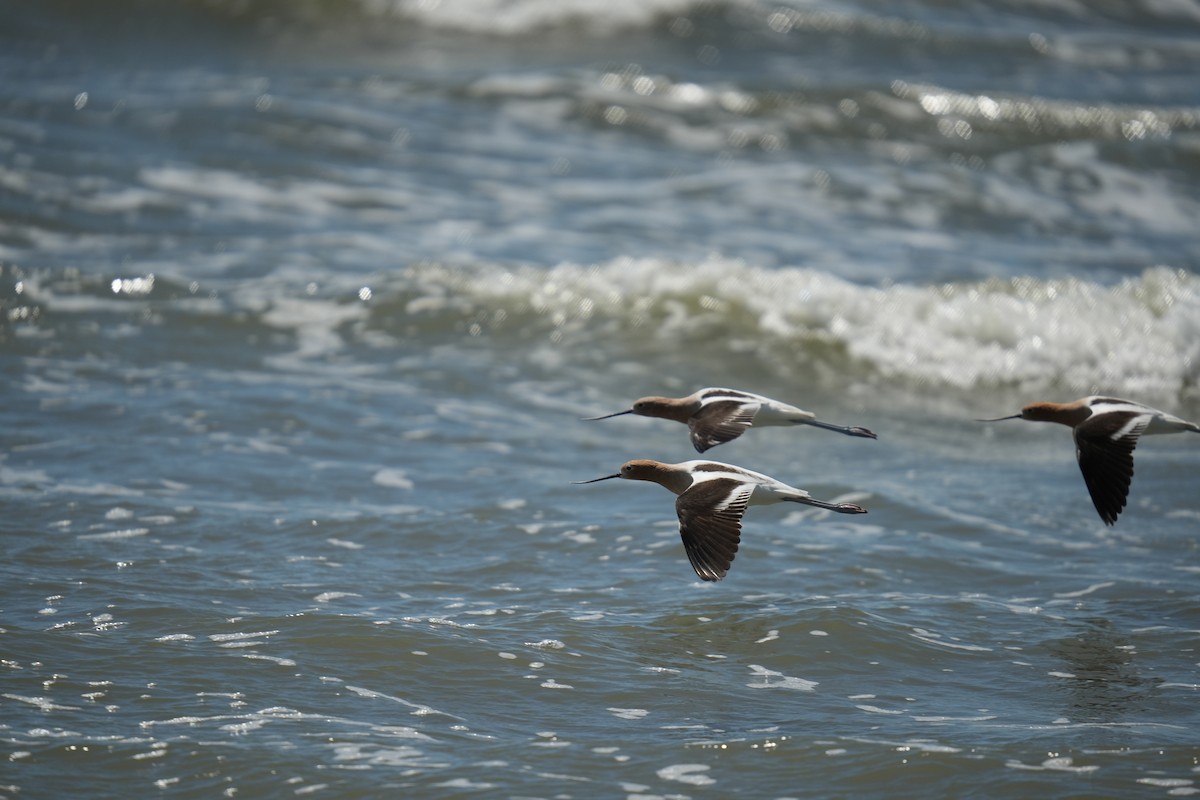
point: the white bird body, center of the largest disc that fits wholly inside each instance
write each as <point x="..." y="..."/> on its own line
<point x="764" y="490"/>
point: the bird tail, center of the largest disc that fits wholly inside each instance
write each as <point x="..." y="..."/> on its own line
<point x="841" y="508"/>
<point x="849" y="430"/>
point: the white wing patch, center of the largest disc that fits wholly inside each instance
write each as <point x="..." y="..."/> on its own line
<point x="1132" y="426"/>
<point x="736" y="482"/>
<point x="716" y="395"/>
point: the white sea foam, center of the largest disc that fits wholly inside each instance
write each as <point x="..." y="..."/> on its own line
<point x="1057" y="764"/>
<point x="41" y="703"/>
<point x="1140" y="336"/>
<point x="694" y="774"/>
<point x="417" y="708"/>
<point x="128" y="533"/>
<point x="315" y="324"/>
<point x="348" y="545"/>
<point x="771" y="679"/>
<point x="629" y="713"/>
<point x="935" y="638"/>
<point x="546" y="644"/>
<point x="392" y="478"/>
<point x="1095" y="587"/>
<point x="283" y="662"/>
<point x="516" y="17"/>
<point x="327" y="597"/>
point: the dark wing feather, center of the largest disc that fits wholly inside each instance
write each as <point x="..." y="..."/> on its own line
<point x="1104" y="446"/>
<point x="719" y="422"/>
<point x="710" y="522"/>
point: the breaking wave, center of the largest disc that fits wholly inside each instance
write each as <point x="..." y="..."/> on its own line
<point x="1140" y="336"/>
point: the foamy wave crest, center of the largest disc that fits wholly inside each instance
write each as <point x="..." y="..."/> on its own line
<point x="1141" y="336"/>
<point x="515" y="17"/>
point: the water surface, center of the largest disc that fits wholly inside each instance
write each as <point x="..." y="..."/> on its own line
<point x="303" y="303"/>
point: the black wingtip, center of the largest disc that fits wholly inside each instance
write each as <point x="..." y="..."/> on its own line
<point x="1109" y="508"/>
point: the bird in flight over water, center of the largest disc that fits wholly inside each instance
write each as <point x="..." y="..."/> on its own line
<point x="712" y="497"/>
<point x="716" y="416"/>
<point x="1106" y="430"/>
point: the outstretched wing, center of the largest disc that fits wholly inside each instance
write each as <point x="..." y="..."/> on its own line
<point x="720" y="421"/>
<point x="1104" y="446"/>
<point x="710" y="522"/>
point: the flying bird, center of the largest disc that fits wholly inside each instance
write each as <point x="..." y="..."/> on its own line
<point x="716" y="416"/>
<point x="712" y="497"/>
<point x="1106" y="430"/>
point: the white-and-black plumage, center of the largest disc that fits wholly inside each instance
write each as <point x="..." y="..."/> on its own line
<point x="712" y="498"/>
<point x="715" y="416"/>
<point x="1106" y="431"/>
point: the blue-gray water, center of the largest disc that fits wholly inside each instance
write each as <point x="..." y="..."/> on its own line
<point x="302" y="304"/>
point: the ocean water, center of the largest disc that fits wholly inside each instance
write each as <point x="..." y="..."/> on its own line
<point x="302" y="303"/>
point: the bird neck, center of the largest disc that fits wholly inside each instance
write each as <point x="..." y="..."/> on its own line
<point x="669" y="408"/>
<point x="675" y="480"/>
<point x="1069" y="414"/>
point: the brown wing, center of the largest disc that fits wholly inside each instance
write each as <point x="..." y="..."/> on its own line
<point x="719" y="422"/>
<point x="1104" y="446"/>
<point x="710" y="522"/>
